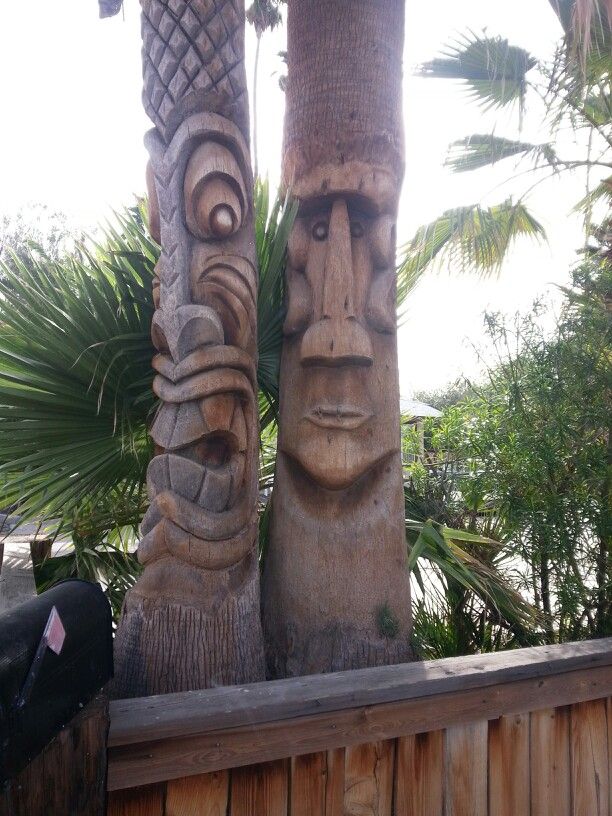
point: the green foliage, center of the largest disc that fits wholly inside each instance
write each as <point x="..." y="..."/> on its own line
<point x="264" y="15"/>
<point x="481" y="150"/>
<point x="470" y="239"/>
<point x="74" y="373"/>
<point x="525" y="460"/>
<point x="272" y="228"/>
<point x="387" y="623"/>
<point x="493" y="71"/>
<point x="569" y="93"/>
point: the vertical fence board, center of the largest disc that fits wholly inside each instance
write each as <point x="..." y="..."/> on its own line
<point x="368" y="779"/>
<point x="550" y="762"/>
<point x="145" y="801"/>
<point x="466" y="770"/>
<point x="609" y="718"/>
<point x="260" y="790"/>
<point x="203" y="795"/>
<point x="334" y="793"/>
<point x="69" y="775"/>
<point x="419" y="775"/>
<point x="308" y="784"/>
<point x="509" y="766"/>
<point x="589" y="759"/>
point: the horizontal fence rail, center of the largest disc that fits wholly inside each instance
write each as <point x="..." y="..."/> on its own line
<point x="517" y="732"/>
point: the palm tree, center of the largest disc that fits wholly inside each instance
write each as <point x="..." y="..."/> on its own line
<point x="573" y="88"/>
<point x="263" y="15"/>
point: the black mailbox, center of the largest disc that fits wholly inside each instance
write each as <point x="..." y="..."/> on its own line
<point x="40" y="691"/>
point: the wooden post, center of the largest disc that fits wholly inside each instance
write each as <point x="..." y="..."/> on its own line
<point x="192" y="620"/>
<point x="336" y="585"/>
<point x="69" y="776"/>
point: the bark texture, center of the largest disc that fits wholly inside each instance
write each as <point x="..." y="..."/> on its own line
<point x="336" y="586"/>
<point x="192" y="620"/>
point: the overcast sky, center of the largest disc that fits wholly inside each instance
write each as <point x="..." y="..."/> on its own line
<point x="72" y="128"/>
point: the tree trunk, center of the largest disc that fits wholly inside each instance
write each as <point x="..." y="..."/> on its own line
<point x="336" y="584"/>
<point x="192" y="620"/>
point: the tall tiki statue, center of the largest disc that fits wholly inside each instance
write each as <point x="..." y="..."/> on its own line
<point x="192" y="620"/>
<point x="336" y="585"/>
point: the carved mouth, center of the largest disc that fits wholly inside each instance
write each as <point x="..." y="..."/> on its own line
<point x="345" y="417"/>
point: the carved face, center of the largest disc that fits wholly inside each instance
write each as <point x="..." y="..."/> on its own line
<point x="339" y="369"/>
<point x="202" y="483"/>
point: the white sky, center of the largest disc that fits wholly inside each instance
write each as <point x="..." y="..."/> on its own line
<point x="71" y="137"/>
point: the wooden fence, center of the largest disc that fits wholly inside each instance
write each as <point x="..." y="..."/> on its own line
<point x="521" y="733"/>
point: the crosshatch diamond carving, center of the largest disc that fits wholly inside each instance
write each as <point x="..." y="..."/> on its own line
<point x="189" y="56"/>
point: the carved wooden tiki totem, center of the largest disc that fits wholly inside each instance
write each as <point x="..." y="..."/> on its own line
<point x="336" y="586"/>
<point x="192" y="620"/>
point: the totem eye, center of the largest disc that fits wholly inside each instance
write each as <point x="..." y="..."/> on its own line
<point x="320" y="231"/>
<point x="357" y="229"/>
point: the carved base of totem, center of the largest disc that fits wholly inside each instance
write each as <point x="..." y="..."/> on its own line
<point x="336" y="586"/>
<point x="164" y="645"/>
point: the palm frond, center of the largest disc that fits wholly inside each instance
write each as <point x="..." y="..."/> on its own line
<point x="438" y="545"/>
<point x="481" y="150"/>
<point x="471" y="239"/>
<point x="272" y="228"/>
<point x="74" y="343"/>
<point x="493" y="71"/>
<point x="601" y="193"/>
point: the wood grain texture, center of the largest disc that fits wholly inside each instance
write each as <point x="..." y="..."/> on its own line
<point x="335" y="587"/>
<point x="308" y="784"/>
<point x="589" y="759"/>
<point x="193" y="619"/>
<point x="465" y="785"/>
<point x="609" y="718"/>
<point x="145" y="801"/>
<point x="206" y="795"/>
<point x="419" y="775"/>
<point x="334" y="793"/>
<point x="509" y="766"/>
<point x="368" y="779"/>
<point x="146" y="762"/>
<point x="69" y="775"/>
<point x="169" y="715"/>
<point x="550" y="762"/>
<point x="260" y="790"/>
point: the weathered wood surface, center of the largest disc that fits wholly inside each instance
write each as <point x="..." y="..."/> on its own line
<point x="589" y="749"/>
<point x="69" y="776"/>
<point x="170" y="715"/>
<point x="192" y="620"/>
<point x="544" y="763"/>
<point x="153" y="761"/>
<point x="335" y="588"/>
<point x="419" y="775"/>
<point x="535" y="743"/>
<point x="550" y="766"/>
<point x="509" y="763"/>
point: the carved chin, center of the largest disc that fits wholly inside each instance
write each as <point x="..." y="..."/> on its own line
<point x="336" y="459"/>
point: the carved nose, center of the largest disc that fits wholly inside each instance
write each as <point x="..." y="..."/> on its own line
<point x="337" y="338"/>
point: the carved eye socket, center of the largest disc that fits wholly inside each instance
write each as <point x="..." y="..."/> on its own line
<point x="357" y="229"/>
<point x="320" y="231"/>
<point x="215" y="198"/>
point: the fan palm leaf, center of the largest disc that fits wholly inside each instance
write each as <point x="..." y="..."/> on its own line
<point x="473" y="239"/>
<point x="482" y="150"/>
<point x="493" y="71"/>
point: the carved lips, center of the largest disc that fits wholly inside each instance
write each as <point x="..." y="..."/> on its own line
<point x="337" y="416"/>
